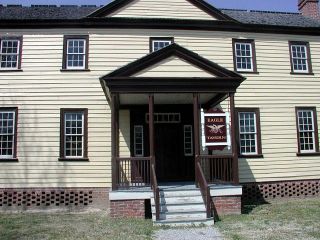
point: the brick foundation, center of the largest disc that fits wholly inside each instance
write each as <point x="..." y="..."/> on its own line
<point x="226" y="205"/>
<point x="53" y="198"/>
<point x="262" y="192"/>
<point x="127" y="209"/>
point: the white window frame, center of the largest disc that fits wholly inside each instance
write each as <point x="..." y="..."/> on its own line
<point x="83" y="54"/>
<point x="302" y="131"/>
<point x="71" y="134"/>
<point x="135" y="140"/>
<point x="243" y="133"/>
<point x="191" y="140"/>
<point x="302" y="46"/>
<point x="13" y="134"/>
<point x="160" y="41"/>
<point x="240" y="56"/>
<point x="9" y="54"/>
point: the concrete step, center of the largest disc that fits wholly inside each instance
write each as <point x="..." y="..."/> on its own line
<point x="182" y="216"/>
<point x="200" y="207"/>
<point x="179" y="200"/>
<point x="182" y="222"/>
<point x="181" y="193"/>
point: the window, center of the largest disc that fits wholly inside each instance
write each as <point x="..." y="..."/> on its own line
<point x="74" y="137"/>
<point x="76" y="52"/>
<point x="249" y="131"/>
<point x="165" y="117"/>
<point x="158" y="43"/>
<point x="300" y="57"/>
<point x="138" y="141"/>
<point x="10" y="53"/>
<point x="307" y="130"/>
<point x="188" y="142"/>
<point x="244" y="55"/>
<point x="8" y="133"/>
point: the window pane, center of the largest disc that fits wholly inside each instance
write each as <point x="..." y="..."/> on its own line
<point x="243" y="56"/>
<point x="306" y="130"/>
<point x="299" y="58"/>
<point x="9" y="54"/>
<point x="248" y="132"/>
<point x="76" y="53"/>
<point x="159" y="44"/>
<point x="7" y="130"/>
<point x="188" y="141"/>
<point x="138" y="141"/>
<point x="74" y="124"/>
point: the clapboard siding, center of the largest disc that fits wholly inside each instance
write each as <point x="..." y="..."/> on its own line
<point x="180" y="9"/>
<point x="42" y="89"/>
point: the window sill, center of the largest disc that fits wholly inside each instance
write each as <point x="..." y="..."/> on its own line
<point x="251" y="156"/>
<point x="11" y="70"/>
<point x="247" y="72"/>
<point x="73" y="159"/>
<point x="301" y="73"/>
<point x="308" y="154"/>
<point x="9" y="160"/>
<point x="74" y="70"/>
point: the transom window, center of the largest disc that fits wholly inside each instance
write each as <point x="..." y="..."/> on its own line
<point x="165" y="118"/>
<point x="10" y="54"/>
<point x="244" y="56"/>
<point x="76" y="52"/>
<point x="8" y="133"/>
<point x="307" y="136"/>
<point x="299" y="57"/>
<point x="159" y="43"/>
<point x="74" y="133"/>
<point x="249" y="133"/>
<point x="138" y="141"/>
<point x="188" y="142"/>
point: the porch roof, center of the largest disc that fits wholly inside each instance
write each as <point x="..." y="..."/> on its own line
<point x="123" y="80"/>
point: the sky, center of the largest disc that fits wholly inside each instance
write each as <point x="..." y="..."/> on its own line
<point x="267" y="5"/>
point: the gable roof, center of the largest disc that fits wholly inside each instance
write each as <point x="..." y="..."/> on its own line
<point x="118" y="4"/>
<point x="170" y="51"/>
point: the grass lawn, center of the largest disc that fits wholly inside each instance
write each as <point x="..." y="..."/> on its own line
<point x="291" y="219"/>
<point x="64" y="226"/>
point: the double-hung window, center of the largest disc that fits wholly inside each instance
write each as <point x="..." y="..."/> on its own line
<point x="244" y="55"/>
<point x="10" y="52"/>
<point x="76" y="52"/>
<point x="157" y="43"/>
<point x="307" y="128"/>
<point x="138" y="141"/>
<point x="300" y="57"/>
<point x="8" y="133"/>
<point x="74" y="134"/>
<point x="249" y="131"/>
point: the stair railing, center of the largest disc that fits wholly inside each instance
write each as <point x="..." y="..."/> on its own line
<point x="156" y="191"/>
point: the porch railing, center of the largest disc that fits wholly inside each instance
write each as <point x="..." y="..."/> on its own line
<point x="204" y="188"/>
<point x="156" y="191"/>
<point x="217" y="168"/>
<point x="133" y="172"/>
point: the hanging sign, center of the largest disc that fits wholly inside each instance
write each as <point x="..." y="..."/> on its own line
<point x="215" y="129"/>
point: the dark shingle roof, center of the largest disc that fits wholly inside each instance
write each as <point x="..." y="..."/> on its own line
<point x="45" y="12"/>
<point x="16" y="12"/>
<point x="272" y="18"/>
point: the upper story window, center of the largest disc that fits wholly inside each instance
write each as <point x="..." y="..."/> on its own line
<point x="249" y="131"/>
<point x="300" y="57"/>
<point x="76" y="52"/>
<point x="74" y="134"/>
<point x="157" y="43"/>
<point x="307" y="128"/>
<point x="10" y="50"/>
<point x="244" y="55"/>
<point x="8" y="133"/>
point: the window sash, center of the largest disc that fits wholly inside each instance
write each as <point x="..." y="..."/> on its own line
<point x="15" y="55"/>
<point x="299" y="60"/>
<point x="188" y="140"/>
<point x="77" y="56"/>
<point x="8" y="135"/>
<point x="301" y="130"/>
<point x="138" y="141"/>
<point x="163" y="43"/>
<point x="246" y="135"/>
<point x="244" y="57"/>
<point x="71" y="135"/>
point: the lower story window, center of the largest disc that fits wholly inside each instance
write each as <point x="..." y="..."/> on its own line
<point x="188" y="143"/>
<point x="307" y="130"/>
<point x="249" y="131"/>
<point x="8" y="128"/>
<point x="74" y="137"/>
<point x="138" y="141"/>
